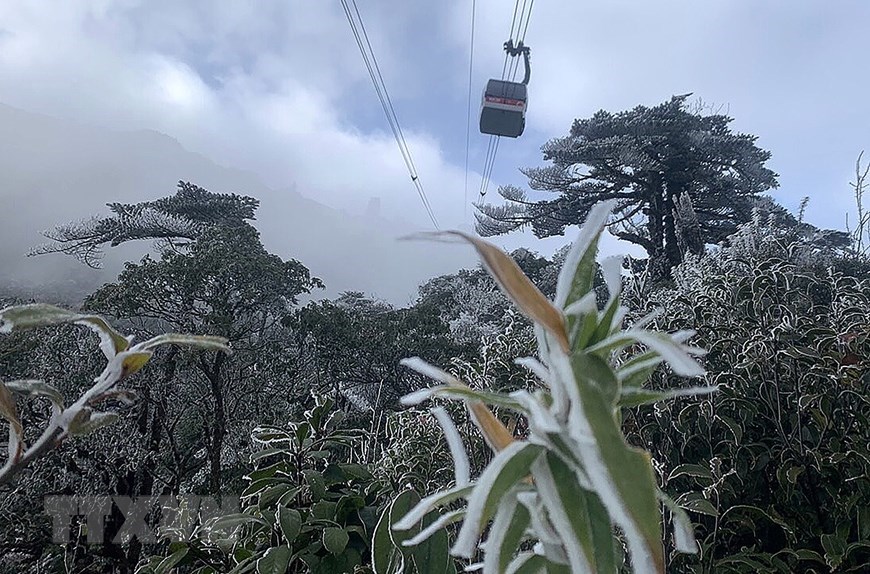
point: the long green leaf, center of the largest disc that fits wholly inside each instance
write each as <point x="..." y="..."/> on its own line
<point x="586" y="526"/>
<point x="165" y="565"/>
<point x="197" y="341"/>
<point x="622" y="476"/>
<point x="416" y="514"/>
<point x="578" y="271"/>
<point x="508" y="529"/>
<point x="383" y="549"/>
<point x="684" y="531"/>
<point x="504" y="471"/>
<point x="436" y="526"/>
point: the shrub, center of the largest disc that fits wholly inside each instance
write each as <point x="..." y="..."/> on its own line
<point x="777" y="462"/>
<point x="564" y="488"/>
<point x="304" y="509"/>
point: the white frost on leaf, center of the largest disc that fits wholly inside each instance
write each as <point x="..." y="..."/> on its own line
<point x="461" y="465"/>
<point x="589" y="233"/>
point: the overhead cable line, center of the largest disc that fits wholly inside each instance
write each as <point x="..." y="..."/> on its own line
<point x="362" y="40"/>
<point x="507" y="70"/>
<point x="468" y="116"/>
<point x="528" y="17"/>
<point x="515" y="63"/>
<point x="522" y="38"/>
<point x="510" y="36"/>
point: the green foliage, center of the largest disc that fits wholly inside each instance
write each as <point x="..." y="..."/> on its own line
<point x="414" y="453"/>
<point x="494" y="367"/>
<point x="305" y="508"/>
<point x="574" y="478"/>
<point x="224" y="284"/>
<point x="776" y="466"/>
<point x="357" y="343"/>
<point x="393" y="551"/>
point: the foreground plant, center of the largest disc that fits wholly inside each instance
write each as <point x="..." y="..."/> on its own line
<point x="84" y="415"/>
<point x="563" y="489"/>
<point x="304" y="510"/>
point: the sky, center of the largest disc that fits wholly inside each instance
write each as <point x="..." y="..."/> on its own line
<point x="278" y="87"/>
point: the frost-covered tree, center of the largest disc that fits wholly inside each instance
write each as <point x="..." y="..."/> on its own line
<point x="679" y="177"/>
<point x="226" y="283"/>
<point x="354" y="344"/>
<point x="178" y="219"/>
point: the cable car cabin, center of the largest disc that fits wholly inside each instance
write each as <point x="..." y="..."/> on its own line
<point x="503" y="111"/>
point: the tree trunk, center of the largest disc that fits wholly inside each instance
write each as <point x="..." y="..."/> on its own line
<point x="215" y="441"/>
<point x="658" y="260"/>
<point x="673" y="255"/>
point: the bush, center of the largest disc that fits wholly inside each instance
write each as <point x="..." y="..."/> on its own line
<point x="777" y="462"/>
<point x="304" y="509"/>
<point x="557" y="497"/>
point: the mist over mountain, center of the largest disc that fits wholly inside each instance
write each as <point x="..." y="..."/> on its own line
<point x="55" y="171"/>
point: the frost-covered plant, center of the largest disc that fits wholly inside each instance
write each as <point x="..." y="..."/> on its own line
<point x="776" y="464"/>
<point x="860" y="233"/>
<point x="563" y="489"/>
<point x="494" y="366"/>
<point x="86" y="414"/>
<point x="304" y="508"/>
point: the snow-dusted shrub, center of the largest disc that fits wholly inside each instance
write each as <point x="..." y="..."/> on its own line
<point x="573" y="490"/>
<point x="776" y="464"/>
<point x="87" y="413"/>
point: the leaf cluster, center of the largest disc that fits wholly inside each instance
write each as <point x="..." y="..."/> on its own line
<point x="776" y="464"/>
<point x="305" y="508"/>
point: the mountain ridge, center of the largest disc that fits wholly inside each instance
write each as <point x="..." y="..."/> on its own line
<point x="53" y="171"/>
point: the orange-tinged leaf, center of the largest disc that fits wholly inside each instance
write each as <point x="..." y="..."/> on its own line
<point x="514" y="283"/>
<point x="133" y="361"/>
<point x="8" y="410"/>
<point x="496" y="434"/>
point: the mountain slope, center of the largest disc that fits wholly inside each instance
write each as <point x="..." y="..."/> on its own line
<point x="54" y="171"/>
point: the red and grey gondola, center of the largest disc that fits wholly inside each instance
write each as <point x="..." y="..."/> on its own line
<point x="503" y="109"/>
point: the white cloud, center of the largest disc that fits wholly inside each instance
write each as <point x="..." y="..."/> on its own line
<point x="279" y="88"/>
<point x="178" y="88"/>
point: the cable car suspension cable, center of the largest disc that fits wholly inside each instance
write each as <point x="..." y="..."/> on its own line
<point x="512" y="70"/>
<point x="492" y="146"/>
<point x="515" y="63"/>
<point x="522" y="38"/>
<point x="468" y="116"/>
<point x="371" y="63"/>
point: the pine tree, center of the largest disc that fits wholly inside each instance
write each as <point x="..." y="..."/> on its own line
<point x="646" y="158"/>
<point x="176" y="220"/>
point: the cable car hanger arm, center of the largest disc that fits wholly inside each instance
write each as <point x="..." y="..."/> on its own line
<point x="520" y="48"/>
